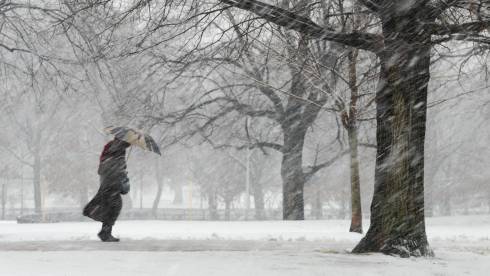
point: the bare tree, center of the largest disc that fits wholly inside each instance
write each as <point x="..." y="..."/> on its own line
<point x="408" y="33"/>
<point x="403" y="39"/>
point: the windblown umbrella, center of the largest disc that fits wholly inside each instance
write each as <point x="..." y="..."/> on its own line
<point x="134" y="137"/>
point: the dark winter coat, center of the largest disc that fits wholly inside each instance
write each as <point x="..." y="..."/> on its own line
<point x="107" y="203"/>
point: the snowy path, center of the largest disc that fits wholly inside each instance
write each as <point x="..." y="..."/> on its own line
<point x="292" y="259"/>
<point x="462" y="247"/>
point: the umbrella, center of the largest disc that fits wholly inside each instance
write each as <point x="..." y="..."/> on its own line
<point x="134" y="137"/>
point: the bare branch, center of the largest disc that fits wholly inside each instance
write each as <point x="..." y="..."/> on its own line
<point x="367" y="145"/>
<point x="291" y="20"/>
<point x="311" y="170"/>
<point x="373" y="5"/>
<point x="13" y="49"/>
<point x="465" y="28"/>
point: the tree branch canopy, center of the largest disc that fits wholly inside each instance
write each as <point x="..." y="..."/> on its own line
<point x="439" y="7"/>
<point x="373" y="5"/>
<point x="306" y="26"/>
<point x="465" y="28"/>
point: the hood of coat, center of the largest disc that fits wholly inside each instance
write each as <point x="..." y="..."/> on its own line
<point x="115" y="148"/>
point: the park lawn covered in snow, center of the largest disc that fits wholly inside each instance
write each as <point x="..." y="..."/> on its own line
<point x="461" y="244"/>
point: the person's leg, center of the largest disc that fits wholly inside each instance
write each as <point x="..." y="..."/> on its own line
<point x="105" y="233"/>
<point x="113" y="208"/>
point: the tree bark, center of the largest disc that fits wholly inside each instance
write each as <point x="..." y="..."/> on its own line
<point x="292" y="176"/>
<point x="397" y="210"/>
<point x="356" y="208"/>
<point x="351" y="125"/>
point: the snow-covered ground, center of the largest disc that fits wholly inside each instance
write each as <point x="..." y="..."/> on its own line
<point x="461" y="244"/>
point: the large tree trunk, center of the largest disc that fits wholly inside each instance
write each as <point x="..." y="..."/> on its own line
<point x="397" y="210"/>
<point x="258" y="200"/>
<point x="292" y="175"/>
<point x="297" y="119"/>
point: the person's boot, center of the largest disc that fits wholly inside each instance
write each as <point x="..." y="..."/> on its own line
<point x="105" y="234"/>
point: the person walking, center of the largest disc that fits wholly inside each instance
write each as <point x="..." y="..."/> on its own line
<point x="107" y="203"/>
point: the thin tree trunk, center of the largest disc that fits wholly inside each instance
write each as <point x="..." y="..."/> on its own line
<point x="22" y="192"/>
<point x="37" y="182"/>
<point x="227" y="208"/>
<point x="178" y="194"/>
<point x="258" y="200"/>
<point x="343" y="203"/>
<point x="351" y="124"/>
<point x="158" y="196"/>
<point x="4" y="197"/>
<point x="397" y="210"/>
<point x="212" y="205"/>
<point x="318" y="206"/>
<point x="128" y="202"/>
<point x="356" y="208"/>
<point x="141" y="191"/>
<point x="446" y="204"/>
